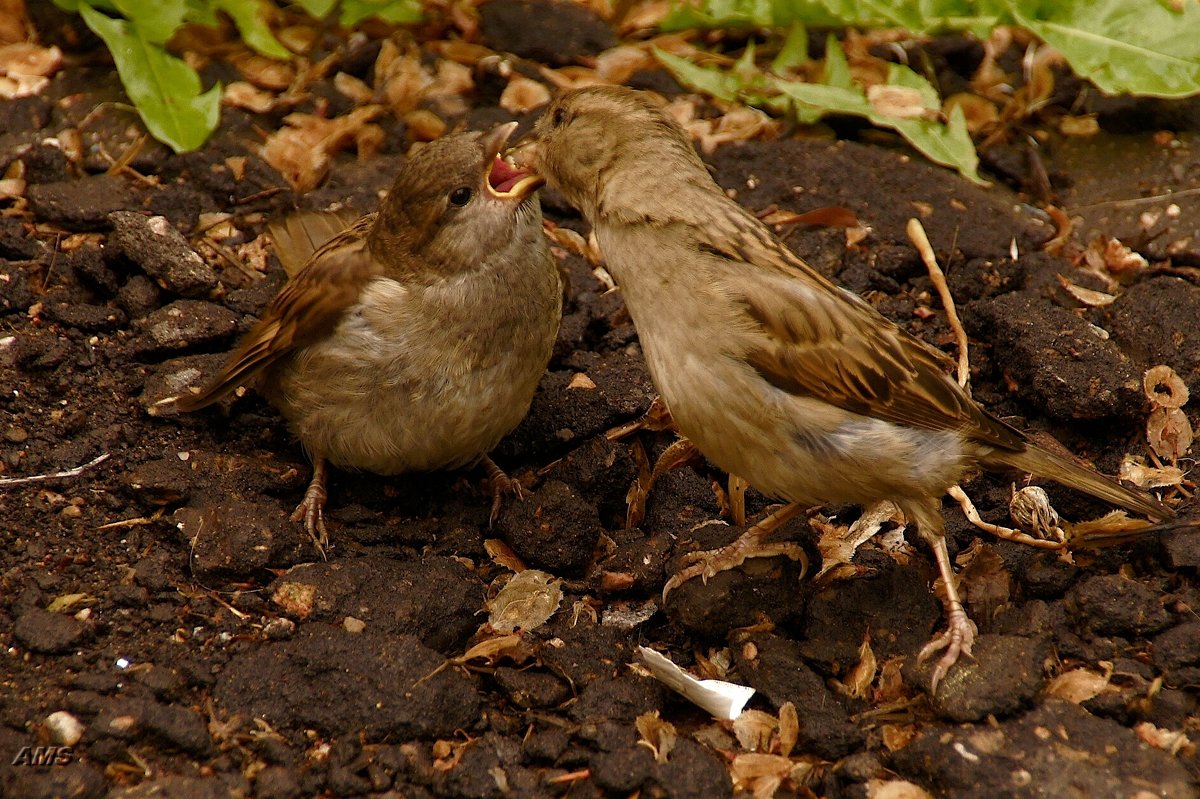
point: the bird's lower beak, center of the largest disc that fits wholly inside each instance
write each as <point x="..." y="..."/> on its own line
<point x="507" y="180"/>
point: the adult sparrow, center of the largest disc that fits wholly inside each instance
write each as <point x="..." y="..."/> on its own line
<point x="413" y="339"/>
<point x="776" y="374"/>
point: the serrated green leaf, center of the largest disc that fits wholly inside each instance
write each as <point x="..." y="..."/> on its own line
<point x="157" y="21"/>
<point x="250" y="17"/>
<point x="710" y="80"/>
<point x="1135" y="46"/>
<point x="318" y="9"/>
<point x="794" y="50"/>
<point x="399" y="12"/>
<point x="946" y="144"/>
<point x="165" y="90"/>
<point x="837" y="69"/>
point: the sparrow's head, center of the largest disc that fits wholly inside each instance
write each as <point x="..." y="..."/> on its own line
<point x="455" y="201"/>
<point x="601" y="140"/>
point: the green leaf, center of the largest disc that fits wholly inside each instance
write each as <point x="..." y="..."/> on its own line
<point x="250" y="17"/>
<point x="947" y="144"/>
<point x="155" y="22"/>
<point x="400" y="12"/>
<point x="1135" y="46"/>
<point x="318" y="9"/>
<point x="202" y="13"/>
<point x="837" y="69"/>
<point x="710" y="80"/>
<point x="794" y="50"/>
<point x="165" y="90"/>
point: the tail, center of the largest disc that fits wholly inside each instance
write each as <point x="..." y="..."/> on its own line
<point x="1045" y="464"/>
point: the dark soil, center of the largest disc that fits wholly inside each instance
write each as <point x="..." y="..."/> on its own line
<point x="163" y="599"/>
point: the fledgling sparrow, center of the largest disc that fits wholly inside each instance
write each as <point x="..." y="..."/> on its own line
<point x="414" y="339"/>
<point x="776" y="374"/>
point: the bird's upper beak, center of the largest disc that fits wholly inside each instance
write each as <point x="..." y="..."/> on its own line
<point x="506" y="181"/>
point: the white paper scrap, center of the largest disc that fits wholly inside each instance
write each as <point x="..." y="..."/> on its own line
<point x="724" y="700"/>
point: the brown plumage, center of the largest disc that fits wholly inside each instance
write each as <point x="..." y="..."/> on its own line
<point x="776" y="374"/>
<point x="412" y="338"/>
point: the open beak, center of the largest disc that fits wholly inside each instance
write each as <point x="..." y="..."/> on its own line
<point x="506" y="181"/>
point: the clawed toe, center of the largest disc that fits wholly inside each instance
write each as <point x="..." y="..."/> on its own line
<point x="957" y="640"/>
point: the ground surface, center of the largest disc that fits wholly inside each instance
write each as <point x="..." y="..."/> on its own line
<point x="163" y="600"/>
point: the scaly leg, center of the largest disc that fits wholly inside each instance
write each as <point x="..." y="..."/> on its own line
<point x="312" y="508"/>
<point x="751" y="544"/>
<point x="960" y="632"/>
<point x="501" y="484"/>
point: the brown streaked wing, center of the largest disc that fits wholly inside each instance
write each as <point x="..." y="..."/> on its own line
<point x="306" y="309"/>
<point x="820" y="341"/>
<point x="298" y="236"/>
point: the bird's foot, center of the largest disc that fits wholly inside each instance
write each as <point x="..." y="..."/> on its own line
<point x="957" y="640"/>
<point x="501" y="484"/>
<point x="750" y="544"/>
<point x="311" y="511"/>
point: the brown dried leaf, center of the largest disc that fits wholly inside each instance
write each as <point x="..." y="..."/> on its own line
<point x="526" y="602"/>
<point x="837" y="544"/>
<point x="243" y="94"/>
<point x="424" y="125"/>
<point x="1167" y="740"/>
<point x="1080" y="685"/>
<point x="897" y="736"/>
<point x="501" y="553"/>
<point x="890" y="686"/>
<point x="895" y="789"/>
<point x="25" y="59"/>
<point x="754" y="729"/>
<point x="300" y="152"/>
<point x="1134" y="470"/>
<point x="399" y="79"/>
<point x="830" y="216"/>
<point x="1083" y="125"/>
<point x="263" y="72"/>
<point x="1087" y="297"/>
<point x="1122" y="261"/>
<point x="522" y="95"/>
<point x="751" y="767"/>
<point x="1169" y="433"/>
<point x="618" y="64"/>
<point x="789" y="728"/>
<point x="512" y="646"/>
<point x="657" y="735"/>
<point x="979" y="112"/>
<point x="354" y="88"/>
<point x="1164" y="388"/>
<point x="901" y="102"/>
<point x="858" y="681"/>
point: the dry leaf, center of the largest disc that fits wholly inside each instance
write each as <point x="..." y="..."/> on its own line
<point x="1169" y="433"/>
<point x="979" y="112"/>
<point x="1121" y="260"/>
<point x="1080" y="685"/>
<point x="895" y="789"/>
<point x="1164" y="388"/>
<point x="581" y="380"/>
<point x="753" y="729"/>
<point x="1134" y="470"/>
<point x="1084" y="125"/>
<point x="424" y="125"/>
<point x="897" y="736"/>
<point x="858" y="681"/>
<point x="789" y="728"/>
<point x="354" y="88"/>
<point x="657" y="735"/>
<point x="837" y="544"/>
<point x="522" y="95"/>
<point x="399" y="79"/>
<point x="898" y="101"/>
<point x="617" y="64"/>
<point x="243" y="94"/>
<point x="29" y="60"/>
<point x="526" y="602"/>
<point x="1166" y="740"/>
<point x="503" y="554"/>
<point x="1087" y="297"/>
<point x="300" y="152"/>
<point x="512" y="646"/>
<point x="264" y="72"/>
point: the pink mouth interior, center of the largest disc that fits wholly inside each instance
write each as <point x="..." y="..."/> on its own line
<point x="504" y="176"/>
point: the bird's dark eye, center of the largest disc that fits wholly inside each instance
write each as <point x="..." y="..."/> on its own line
<point x="560" y="116"/>
<point x="460" y="196"/>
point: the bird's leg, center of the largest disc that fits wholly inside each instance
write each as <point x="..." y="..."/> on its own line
<point x="501" y="484"/>
<point x="312" y="508"/>
<point x="751" y="544"/>
<point x="674" y="456"/>
<point x="960" y="632"/>
<point x="737" y="499"/>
